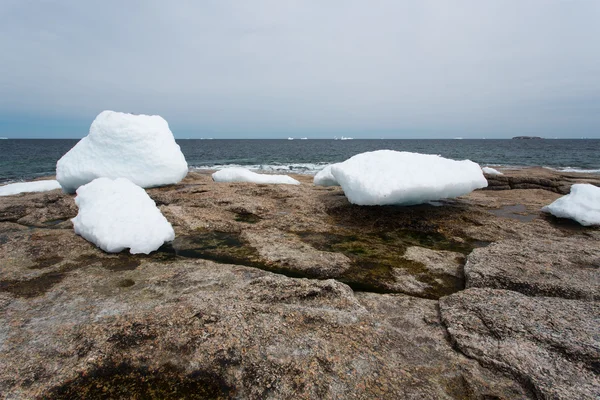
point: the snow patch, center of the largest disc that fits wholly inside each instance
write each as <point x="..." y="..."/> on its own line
<point x="325" y="178"/>
<point x="140" y="148"/>
<point x="491" y="171"/>
<point x="244" y="175"/>
<point x="402" y="178"/>
<point x="117" y="214"/>
<point x="581" y="205"/>
<point x="27" y="187"/>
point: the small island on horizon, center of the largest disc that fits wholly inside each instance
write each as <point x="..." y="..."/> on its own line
<point x="527" y="137"/>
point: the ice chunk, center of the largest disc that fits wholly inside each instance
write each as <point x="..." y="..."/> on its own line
<point x="581" y="205"/>
<point x="325" y="178"/>
<point x="117" y="214"/>
<point x="244" y="175"/>
<point x="140" y="148"/>
<point x="391" y="177"/>
<point x="25" y="187"/>
<point x="491" y="171"/>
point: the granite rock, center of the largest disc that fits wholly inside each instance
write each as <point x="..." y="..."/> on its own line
<point x="550" y="344"/>
<point x="567" y="267"/>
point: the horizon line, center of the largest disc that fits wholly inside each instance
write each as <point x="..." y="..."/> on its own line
<point x="341" y="140"/>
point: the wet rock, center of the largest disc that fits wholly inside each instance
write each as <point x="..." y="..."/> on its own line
<point x="124" y="381"/>
<point x="549" y="344"/>
<point x="437" y="261"/>
<point x="289" y="252"/>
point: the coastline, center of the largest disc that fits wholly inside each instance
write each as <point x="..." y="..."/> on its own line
<point x="275" y="290"/>
<point x="27" y="159"/>
<point x="312" y="169"/>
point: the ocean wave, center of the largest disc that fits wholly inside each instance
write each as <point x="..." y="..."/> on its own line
<point x="504" y="166"/>
<point x="292" y="168"/>
<point x="313" y="168"/>
<point x="574" y="169"/>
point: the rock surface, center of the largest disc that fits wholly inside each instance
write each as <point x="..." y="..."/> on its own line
<point x="538" y="178"/>
<point x="550" y="344"/>
<point x="567" y="267"/>
<point x="237" y="331"/>
<point x="292" y="292"/>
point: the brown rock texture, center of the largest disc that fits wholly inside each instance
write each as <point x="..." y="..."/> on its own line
<point x="567" y="267"/>
<point x="550" y="344"/>
<point x="538" y="178"/>
<point x="276" y="291"/>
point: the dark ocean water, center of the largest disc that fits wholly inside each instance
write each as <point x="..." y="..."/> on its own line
<point x="22" y="159"/>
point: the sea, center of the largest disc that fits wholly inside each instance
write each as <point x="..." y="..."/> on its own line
<point x="25" y="159"/>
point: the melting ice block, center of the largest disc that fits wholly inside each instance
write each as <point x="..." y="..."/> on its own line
<point x="581" y="205"/>
<point x="236" y="174"/>
<point x="491" y="171"/>
<point x="117" y="214"/>
<point x="26" y="187"/>
<point x="140" y="148"/>
<point x="325" y="178"/>
<point x="391" y="177"/>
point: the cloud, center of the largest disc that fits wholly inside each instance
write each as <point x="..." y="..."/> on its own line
<point x="273" y="67"/>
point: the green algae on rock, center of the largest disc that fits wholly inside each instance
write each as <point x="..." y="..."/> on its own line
<point x="379" y="265"/>
<point x="125" y="381"/>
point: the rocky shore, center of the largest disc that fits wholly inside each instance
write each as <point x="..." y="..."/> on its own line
<point x="279" y="291"/>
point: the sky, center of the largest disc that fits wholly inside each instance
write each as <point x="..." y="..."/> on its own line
<point x="310" y="68"/>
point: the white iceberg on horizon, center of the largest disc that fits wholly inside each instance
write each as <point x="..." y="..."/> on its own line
<point x="235" y="174"/>
<point x="325" y="178"/>
<point x="29" y="187"/>
<point x="140" y="148"/>
<point x="387" y="177"/>
<point x="582" y="204"/>
<point x="117" y="214"/>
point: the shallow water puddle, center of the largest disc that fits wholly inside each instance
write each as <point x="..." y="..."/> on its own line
<point x="518" y="212"/>
<point x="222" y="247"/>
<point x="378" y="264"/>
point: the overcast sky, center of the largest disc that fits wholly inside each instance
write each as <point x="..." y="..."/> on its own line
<point x="278" y="68"/>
